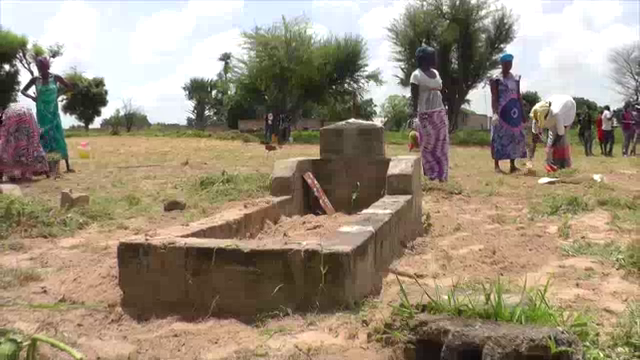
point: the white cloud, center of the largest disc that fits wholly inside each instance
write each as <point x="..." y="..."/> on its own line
<point x="331" y="4"/>
<point x="161" y="34"/>
<point x="75" y="26"/>
<point x="319" y="30"/>
<point x="203" y="61"/>
<point x="373" y="27"/>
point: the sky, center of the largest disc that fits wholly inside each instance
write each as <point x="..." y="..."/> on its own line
<point x="146" y="50"/>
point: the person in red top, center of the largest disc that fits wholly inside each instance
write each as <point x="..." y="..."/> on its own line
<point x="628" y="130"/>
<point x="600" y="133"/>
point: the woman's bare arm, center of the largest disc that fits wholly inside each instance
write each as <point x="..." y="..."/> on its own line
<point x="28" y="87"/>
<point x="62" y="81"/>
<point x="494" y="96"/>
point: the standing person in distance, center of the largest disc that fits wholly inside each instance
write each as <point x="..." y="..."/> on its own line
<point x="428" y="108"/>
<point x="587" y="135"/>
<point x="628" y="130"/>
<point x="607" y="130"/>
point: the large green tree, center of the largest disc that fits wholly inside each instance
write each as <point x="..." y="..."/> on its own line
<point x="396" y="111"/>
<point x="86" y="99"/>
<point x="286" y="67"/>
<point x="469" y="36"/>
<point x="10" y="46"/>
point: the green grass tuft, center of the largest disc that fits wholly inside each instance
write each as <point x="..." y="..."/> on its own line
<point x="231" y="187"/>
<point x="556" y="204"/>
<point x="471" y="138"/>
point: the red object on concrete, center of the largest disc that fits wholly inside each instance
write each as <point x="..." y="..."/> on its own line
<point x="317" y="190"/>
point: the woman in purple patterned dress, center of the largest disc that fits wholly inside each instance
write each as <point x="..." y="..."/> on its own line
<point x="432" y="124"/>
<point x="507" y="132"/>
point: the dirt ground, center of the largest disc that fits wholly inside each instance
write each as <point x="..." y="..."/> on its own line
<point x="481" y="229"/>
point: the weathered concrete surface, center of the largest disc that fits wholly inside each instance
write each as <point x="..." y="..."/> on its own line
<point x="446" y="338"/>
<point x="211" y="267"/>
<point x="10" y="189"/>
<point x="200" y="277"/>
<point x="352" y="138"/>
<point x="404" y="178"/>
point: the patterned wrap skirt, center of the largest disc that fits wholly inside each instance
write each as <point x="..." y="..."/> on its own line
<point x="434" y="141"/>
<point x="20" y="149"/>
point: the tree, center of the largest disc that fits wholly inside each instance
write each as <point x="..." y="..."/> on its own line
<point x="28" y="55"/>
<point x="10" y="46"/>
<point x="625" y="71"/>
<point x="200" y="92"/>
<point x="286" y="67"/>
<point x="114" y="121"/>
<point x="341" y="108"/>
<point x="87" y="98"/>
<point x="396" y="111"/>
<point x="220" y="102"/>
<point x="133" y="116"/>
<point x="530" y="99"/>
<point x="469" y="36"/>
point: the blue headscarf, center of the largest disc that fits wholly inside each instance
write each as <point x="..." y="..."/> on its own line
<point x="426" y="53"/>
<point x="506" y="57"/>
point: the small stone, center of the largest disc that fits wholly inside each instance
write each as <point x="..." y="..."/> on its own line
<point x="70" y="200"/>
<point x="10" y="189"/>
<point x="173" y="205"/>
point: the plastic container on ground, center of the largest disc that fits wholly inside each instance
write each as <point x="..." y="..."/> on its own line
<point x="84" y="150"/>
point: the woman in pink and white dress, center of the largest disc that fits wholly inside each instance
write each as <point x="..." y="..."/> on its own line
<point x="433" y="123"/>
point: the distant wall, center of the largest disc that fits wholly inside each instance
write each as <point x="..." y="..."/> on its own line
<point x="473" y="121"/>
<point x="258" y="124"/>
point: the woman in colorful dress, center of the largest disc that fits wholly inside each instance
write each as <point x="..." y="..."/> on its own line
<point x="432" y="124"/>
<point x="600" y="133"/>
<point x="555" y="114"/>
<point x="21" y="155"/>
<point x="46" y="99"/>
<point x="507" y="133"/>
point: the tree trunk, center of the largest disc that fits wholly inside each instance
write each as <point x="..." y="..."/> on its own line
<point x="354" y="104"/>
<point x="86" y="126"/>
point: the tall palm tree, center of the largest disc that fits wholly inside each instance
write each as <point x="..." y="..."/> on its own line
<point x="200" y="92"/>
<point x="226" y="61"/>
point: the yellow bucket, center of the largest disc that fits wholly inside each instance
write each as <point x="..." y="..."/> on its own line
<point x="84" y="151"/>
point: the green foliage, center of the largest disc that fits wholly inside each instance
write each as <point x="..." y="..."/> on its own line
<point x="10" y="47"/>
<point x="342" y="108"/>
<point x="493" y="302"/>
<point x="471" y="138"/>
<point x="28" y="55"/>
<point x="231" y="187"/>
<point x="469" y="36"/>
<point x="12" y="343"/>
<point x="396" y="112"/>
<point x="114" y="122"/>
<point x="29" y="218"/>
<point x="86" y="99"/>
<point x="287" y="67"/>
<point x="561" y="204"/>
<point x="530" y="99"/>
<point x="200" y="92"/>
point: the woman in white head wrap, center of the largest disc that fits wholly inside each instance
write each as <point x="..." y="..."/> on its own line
<point x="556" y="114"/>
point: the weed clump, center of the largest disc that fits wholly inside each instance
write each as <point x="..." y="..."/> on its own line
<point x="227" y="187"/>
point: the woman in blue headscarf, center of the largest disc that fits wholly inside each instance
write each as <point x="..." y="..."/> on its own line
<point x="507" y="133"/>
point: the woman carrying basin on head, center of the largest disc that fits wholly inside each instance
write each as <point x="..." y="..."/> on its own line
<point x="432" y="121"/>
<point x="47" y="112"/>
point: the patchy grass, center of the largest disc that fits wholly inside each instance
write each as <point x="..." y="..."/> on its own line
<point x="471" y="138"/>
<point x="451" y="187"/>
<point x="564" y="230"/>
<point x="494" y="302"/>
<point x="560" y="204"/>
<point x="625" y="339"/>
<point x="626" y="257"/>
<point x="15" y="277"/>
<point x="227" y="187"/>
